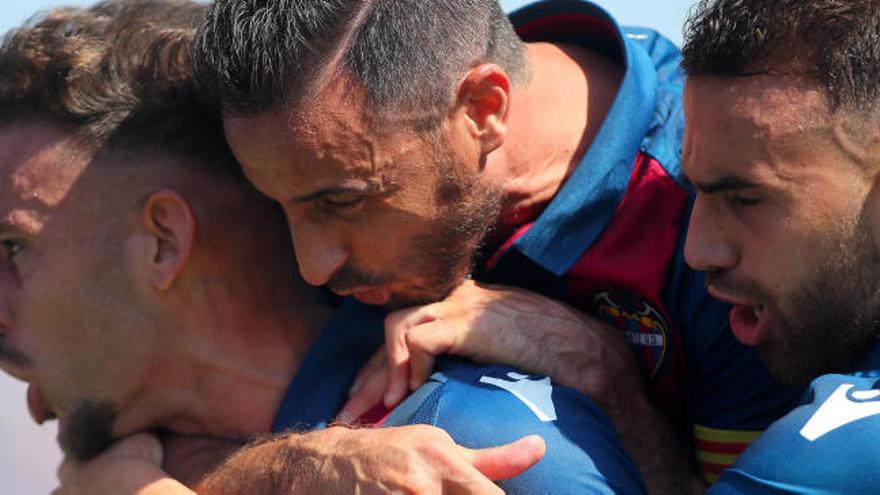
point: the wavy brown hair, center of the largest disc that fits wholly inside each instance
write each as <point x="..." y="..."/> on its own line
<point x="116" y="74"/>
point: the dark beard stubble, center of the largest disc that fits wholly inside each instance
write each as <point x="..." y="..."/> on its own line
<point x="88" y="430"/>
<point x="834" y="317"/>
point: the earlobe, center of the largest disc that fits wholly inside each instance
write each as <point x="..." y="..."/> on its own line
<point x="484" y="95"/>
<point x="170" y="223"/>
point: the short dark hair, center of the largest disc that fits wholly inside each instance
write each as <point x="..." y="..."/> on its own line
<point x="117" y="74"/>
<point x="252" y="55"/>
<point x="836" y="43"/>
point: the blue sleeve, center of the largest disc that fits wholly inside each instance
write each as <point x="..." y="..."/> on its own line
<point x="829" y="444"/>
<point x="489" y="406"/>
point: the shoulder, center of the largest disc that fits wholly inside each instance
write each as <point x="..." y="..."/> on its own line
<point x="472" y="402"/>
<point x="828" y="443"/>
<point x="663" y="138"/>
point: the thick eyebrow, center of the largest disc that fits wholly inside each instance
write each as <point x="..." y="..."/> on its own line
<point x="363" y="188"/>
<point x="724" y="184"/>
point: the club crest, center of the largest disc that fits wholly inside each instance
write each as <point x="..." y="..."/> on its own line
<point x="642" y="324"/>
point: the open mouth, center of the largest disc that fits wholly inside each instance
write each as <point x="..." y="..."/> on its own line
<point x="749" y="323"/>
<point x="37" y="405"/>
<point x="372" y="297"/>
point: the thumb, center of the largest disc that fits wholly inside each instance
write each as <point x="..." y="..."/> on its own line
<point x="141" y="446"/>
<point x="506" y="461"/>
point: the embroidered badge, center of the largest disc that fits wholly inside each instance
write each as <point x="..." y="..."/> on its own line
<point x="641" y="323"/>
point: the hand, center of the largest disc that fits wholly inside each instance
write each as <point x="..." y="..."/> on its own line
<point x="493" y="324"/>
<point x="130" y="466"/>
<point x="408" y="459"/>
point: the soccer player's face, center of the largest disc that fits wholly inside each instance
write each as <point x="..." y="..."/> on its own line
<point x="63" y="288"/>
<point x="778" y="224"/>
<point x="390" y="216"/>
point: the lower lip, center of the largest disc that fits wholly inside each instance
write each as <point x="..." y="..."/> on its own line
<point x="746" y="327"/>
<point x="372" y="297"/>
<point x="36" y="405"/>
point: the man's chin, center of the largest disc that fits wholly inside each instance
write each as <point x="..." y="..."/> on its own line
<point x="418" y="297"/>
<point x="87" y="430"/>
<point x="799" y="358"/>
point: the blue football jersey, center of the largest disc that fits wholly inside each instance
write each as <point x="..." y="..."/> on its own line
<point x="611" y="242"/>
<point x="478" y="406"/>
<point x="483" y="406"/>
<point x="829" y="444"/>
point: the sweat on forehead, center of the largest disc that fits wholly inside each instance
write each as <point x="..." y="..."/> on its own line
<point x="773" y="104"/>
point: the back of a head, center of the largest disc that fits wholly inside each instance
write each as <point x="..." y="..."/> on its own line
<point x="117" y="75"/>
<point x="407" y="55"/>
<point x="832" y="42"/>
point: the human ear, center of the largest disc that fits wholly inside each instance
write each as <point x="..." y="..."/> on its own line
<point x="484" y="97"/>
<point x="170" y="224"/>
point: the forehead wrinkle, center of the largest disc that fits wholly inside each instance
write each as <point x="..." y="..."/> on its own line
<point x="780" y="107"/>
<point x="334" y="126"/>
<point x="771" y="121"/>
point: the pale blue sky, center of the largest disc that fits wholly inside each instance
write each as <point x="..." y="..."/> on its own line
<point x="664" y="15"/>
<point x="28" y="455"/>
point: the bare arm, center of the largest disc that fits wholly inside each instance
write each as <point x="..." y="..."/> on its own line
<point x="492" y="324"/>
<point x="412" y="459"/>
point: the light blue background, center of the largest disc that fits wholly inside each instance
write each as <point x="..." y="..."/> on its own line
<point x="664" y="15"/>
<point x="28" y="455"/>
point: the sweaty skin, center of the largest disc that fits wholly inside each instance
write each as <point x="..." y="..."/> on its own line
<point x="358" y="199"/>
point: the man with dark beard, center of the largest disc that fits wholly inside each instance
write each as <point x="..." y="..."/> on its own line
<point x="401" y="136"/>
<point x="783" y="144"/>
<point x="146" y="286"/>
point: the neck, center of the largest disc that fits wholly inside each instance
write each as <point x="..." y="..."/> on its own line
<point x="227" y="372"/>
<point x="553" y="120"/>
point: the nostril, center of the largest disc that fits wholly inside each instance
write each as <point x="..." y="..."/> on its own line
<point x="13" y="360"/>
<point x="319" y="269"/>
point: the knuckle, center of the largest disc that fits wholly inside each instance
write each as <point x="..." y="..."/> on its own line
<point x="432" y="435"/>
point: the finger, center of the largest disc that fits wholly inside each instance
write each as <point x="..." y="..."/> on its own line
<point x="507" y="461"/>
<point x="377" y="361"/>
<point x="397" y="324"/>
<point x="370" y="394"/>
<point x="425" y="342"/>
<point x="141" y="446"/>
<point x="473" y="484"/>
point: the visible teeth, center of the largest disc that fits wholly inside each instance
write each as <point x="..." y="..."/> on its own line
<point x="757" y="310"/>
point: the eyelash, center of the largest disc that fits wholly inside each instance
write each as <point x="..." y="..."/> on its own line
<point x="348" y="206"/>
<point x="738" y="201"/>
<point x="10" y="249"/>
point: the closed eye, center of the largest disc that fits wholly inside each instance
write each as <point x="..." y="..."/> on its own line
<point x="741" y="201"/>
<point x="343" y="202"/>
<point x="10" y="249"/>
